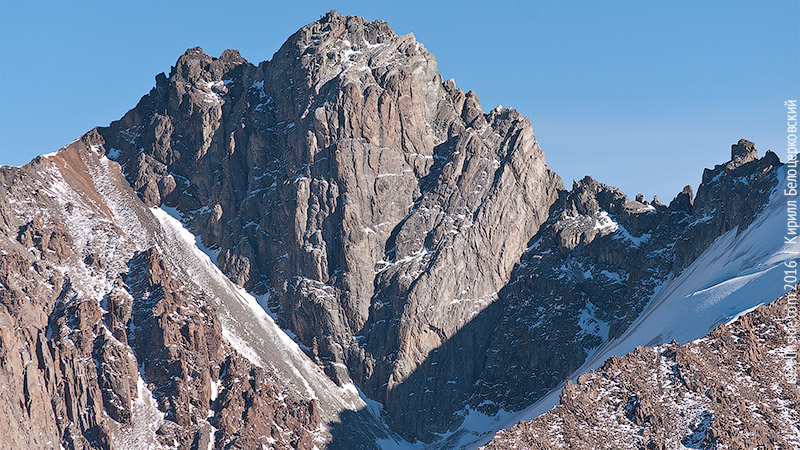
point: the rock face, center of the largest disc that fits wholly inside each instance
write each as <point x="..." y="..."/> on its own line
<point x="727" y="390"/>
<point x="420" y="246"/>
<point x="412" y="243"/>
<point x="594" y="266"/>
<point x="378" y="205"/>
<point x="95" y="322"/>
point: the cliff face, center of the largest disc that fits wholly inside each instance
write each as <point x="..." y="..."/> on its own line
<point x="410" y="242"/>
<point x="379" y="207"/>
<point x="418" y="245"/>
<point x="727" y="390"/>
<point x="105" y="342"/>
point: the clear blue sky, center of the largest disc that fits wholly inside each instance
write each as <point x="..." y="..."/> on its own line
<point x="639" y="94"/>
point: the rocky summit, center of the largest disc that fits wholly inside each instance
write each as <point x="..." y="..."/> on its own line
<point x="337" y="248"/>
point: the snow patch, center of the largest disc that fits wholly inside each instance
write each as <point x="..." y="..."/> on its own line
<point x="476" y="430"/>
<point x="605" y="224"/>
<point x="146" y="420"/>
<point x="590" y="324"/>
<point x="746" y="311"/>
<point x="624" y="234"/>
<point x="241" y="346"/>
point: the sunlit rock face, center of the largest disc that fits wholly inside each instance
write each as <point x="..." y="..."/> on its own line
<point x="107" y="338"/>
<point x="379" y="206"/>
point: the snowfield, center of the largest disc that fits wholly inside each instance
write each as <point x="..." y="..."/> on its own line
<point x="738" y="272"/>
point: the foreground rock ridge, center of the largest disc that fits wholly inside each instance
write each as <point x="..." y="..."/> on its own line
<point x="722" y="391"/>
<point x="409" y="242"/>
<point x="104" y="341"/>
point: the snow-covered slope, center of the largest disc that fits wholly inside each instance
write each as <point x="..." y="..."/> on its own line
<point x="82" y="196"/>
<point x="724" y="391"/>
<point x="249" y="328"/>
<point x="739" y="271"/>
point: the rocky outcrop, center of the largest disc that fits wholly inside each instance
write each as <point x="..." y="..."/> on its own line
<point x="595" y="265"/>
<point x="252" y="413"/>
<point x="182" y="353"/>
<point x="62" y="374"/>
<point x="95" y="322"/>
<point x="727" y="390"/>
<point x="730" y="196"/>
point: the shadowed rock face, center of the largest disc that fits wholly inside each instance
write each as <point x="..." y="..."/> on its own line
<point x="726" y="390"/>
<point x="593" y="267"/>
<point x="412" y="242"/>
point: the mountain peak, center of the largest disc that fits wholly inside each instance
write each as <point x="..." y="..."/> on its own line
<point x="415" y="246"/>
<point x="195" y="65"/>
<point x="743" y="152"/>
<point x="194" y="53"/>
<point x="333" y="26"/>
<point x="329" y="16"/>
